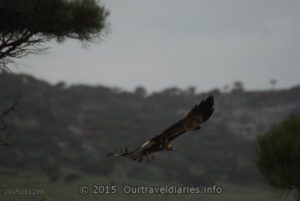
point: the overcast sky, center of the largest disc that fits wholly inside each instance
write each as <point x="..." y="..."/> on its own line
<point x="164" y="43"/>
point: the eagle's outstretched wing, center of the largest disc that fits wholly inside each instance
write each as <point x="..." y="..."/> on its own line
<point x="192" y="121"/>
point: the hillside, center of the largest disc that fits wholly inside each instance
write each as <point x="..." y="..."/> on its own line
<point x="62" y="131"/>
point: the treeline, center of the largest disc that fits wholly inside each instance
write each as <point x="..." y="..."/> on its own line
<point x="65" y="131"/>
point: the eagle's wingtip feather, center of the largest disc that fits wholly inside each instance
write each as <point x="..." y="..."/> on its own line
<point x="205" y="108"/>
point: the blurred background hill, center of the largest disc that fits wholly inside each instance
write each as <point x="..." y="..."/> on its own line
<point x="62" y="133"/>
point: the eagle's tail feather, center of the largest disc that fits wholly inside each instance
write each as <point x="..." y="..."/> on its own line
<point x="119" y="152"/>
<point x="126" y="153"/>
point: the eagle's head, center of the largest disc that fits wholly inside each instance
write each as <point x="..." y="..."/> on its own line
<point x="170" y="147"/>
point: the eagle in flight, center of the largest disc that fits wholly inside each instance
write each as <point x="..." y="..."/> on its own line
<point x="191" y="122"/>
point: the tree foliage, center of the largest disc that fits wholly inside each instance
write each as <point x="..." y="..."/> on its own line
<point x="278" y="153"/>
<point x="238" y="86"/>
<point x="27" y="24"/>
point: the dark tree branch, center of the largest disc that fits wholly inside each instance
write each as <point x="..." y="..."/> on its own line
<point x="4" y="127"/>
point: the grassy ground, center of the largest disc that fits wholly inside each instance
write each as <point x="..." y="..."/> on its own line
<point x="66" y="192"/>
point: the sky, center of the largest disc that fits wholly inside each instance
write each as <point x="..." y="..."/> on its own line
<point x="165" y="43"/>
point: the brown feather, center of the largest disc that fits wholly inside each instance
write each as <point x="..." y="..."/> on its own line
<point x="192" y="121"/>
